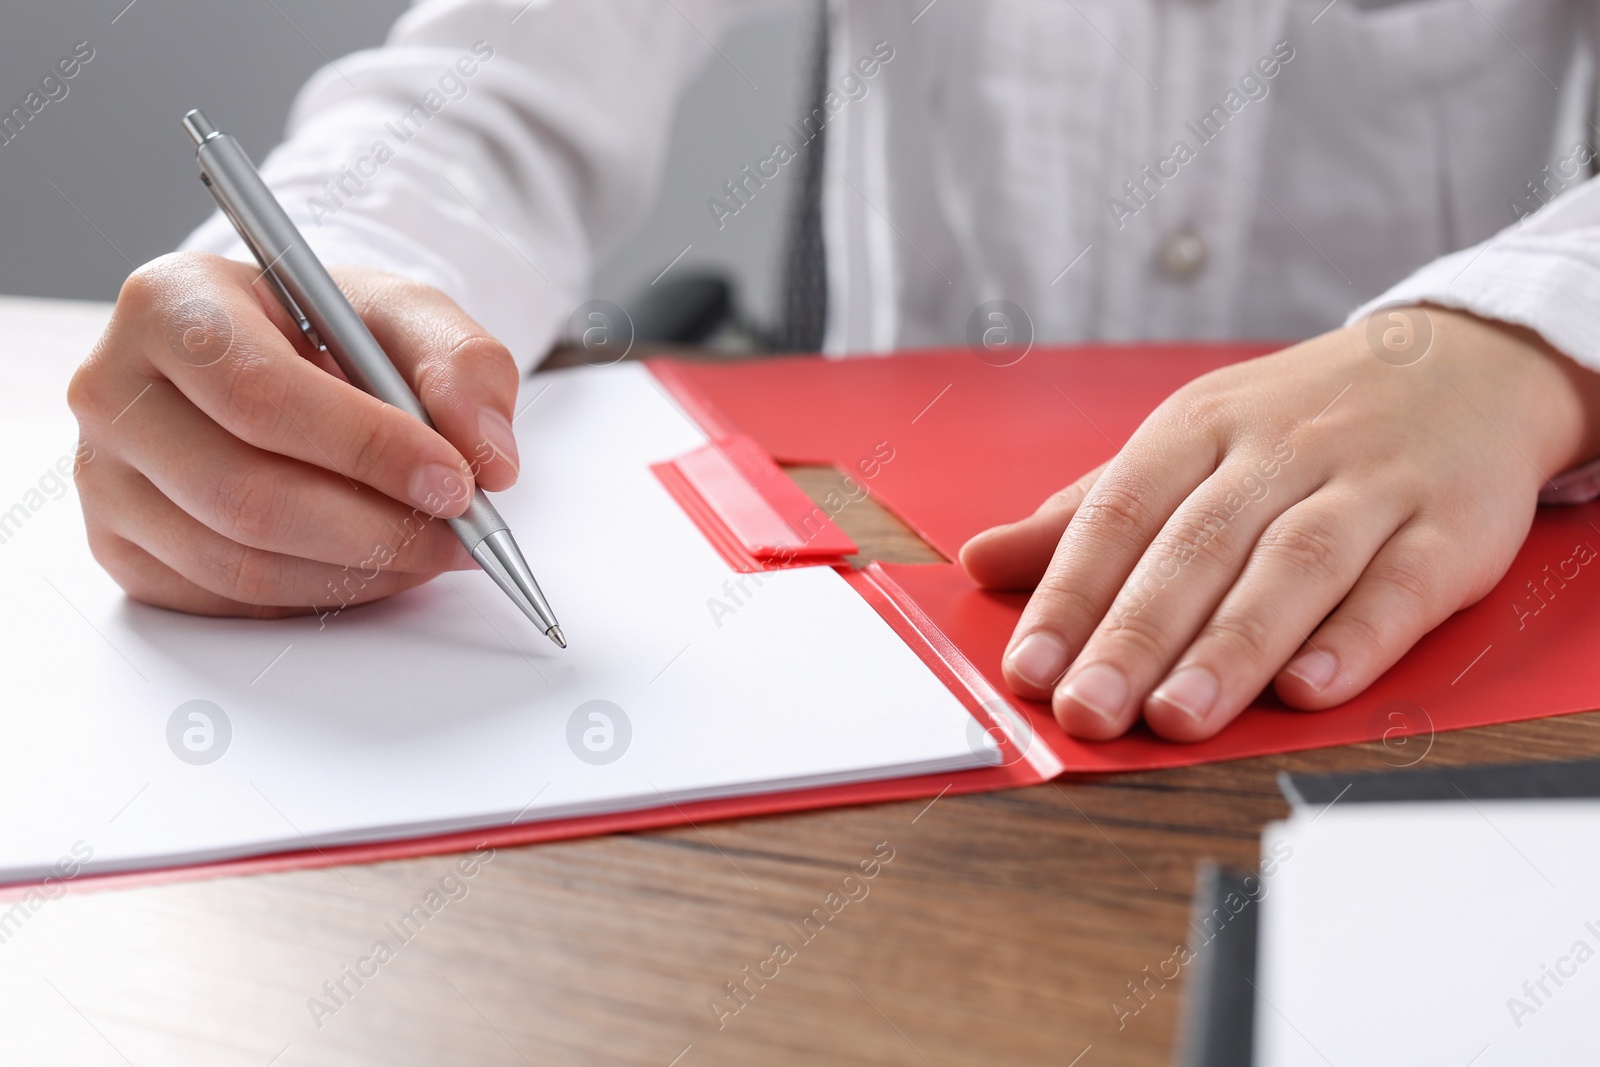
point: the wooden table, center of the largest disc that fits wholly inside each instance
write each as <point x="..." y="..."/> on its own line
<point x="1000" y="933"/>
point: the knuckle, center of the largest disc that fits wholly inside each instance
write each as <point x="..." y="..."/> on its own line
<point x="474" y="365"/>
<point x="478" y="354"/>
<point x="1309" y="545"/>
<point x="93" y="391"/>
<point x="1138" y="633"/>
<point x="1065" y="604"/>
<point x="1116" y="509"/>
<point x="1478" y="581"/>
<point x="1245" y="635"/>
<point x="86" y="394"/>
<point x="1198" y="406"/>
<point x="1356" y="629"/>
<point x="112" y="553"/>
<point x="249" y="575"/>
<point x="1064" y="499"/>
<point x="138" y="573"/>
<point x="1084" y="485"/>
<point x="250" y="505"/>
<point x="372" y="438"/>
<point x="151" y="286"/>
<point x="87" y="474"/>
<point x="1205" y="532"/>
<point x="247" y="409"/>
<point x="141" y="290"/>
<point x="1412" y="577"/>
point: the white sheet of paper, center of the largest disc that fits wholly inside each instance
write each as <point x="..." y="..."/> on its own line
<point x="1432" y="934"/>
<point x="443" y="708"/>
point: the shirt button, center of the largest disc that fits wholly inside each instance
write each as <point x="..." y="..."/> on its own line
<point x="1182" y="255"/>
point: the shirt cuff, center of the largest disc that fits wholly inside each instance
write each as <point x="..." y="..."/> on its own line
<point x="1545" y="283"/>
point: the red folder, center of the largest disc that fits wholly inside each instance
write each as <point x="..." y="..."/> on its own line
<point x="953" y="445"/>
<point x="977" y="445"/>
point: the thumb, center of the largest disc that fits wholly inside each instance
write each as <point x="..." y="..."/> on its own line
<point x="1015" y="556"/>
<point x="465" y="379"/>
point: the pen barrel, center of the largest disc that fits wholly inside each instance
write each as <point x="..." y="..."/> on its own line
<point x="310" y="294"/>
<point x="282" y="250"/>
<point x="478" y="521"/>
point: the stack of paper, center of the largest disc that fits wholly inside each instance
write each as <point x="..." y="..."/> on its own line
<point x="143" y="738"/>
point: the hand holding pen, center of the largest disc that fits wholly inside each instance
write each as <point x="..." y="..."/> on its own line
<point x="235" y="475"/>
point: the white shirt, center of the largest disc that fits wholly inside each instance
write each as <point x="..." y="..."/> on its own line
<point x="1334" y="155"/>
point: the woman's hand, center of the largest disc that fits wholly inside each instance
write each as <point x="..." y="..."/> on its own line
<point x="236" y="472"/>
<point x="1297" y="520"/>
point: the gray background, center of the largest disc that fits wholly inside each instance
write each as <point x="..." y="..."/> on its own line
<point x="124" y="179"/>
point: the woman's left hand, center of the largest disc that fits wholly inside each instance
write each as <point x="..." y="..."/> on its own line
<point x="1299" y="520"/>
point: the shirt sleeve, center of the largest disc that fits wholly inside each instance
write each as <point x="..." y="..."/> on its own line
<point x="491" y="149"/>
<point x="1541" y="272"/>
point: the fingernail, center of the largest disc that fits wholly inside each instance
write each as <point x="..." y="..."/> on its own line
<point x="1315" y="668"/>
<point x="496" y="430"/>
<point x="1192" y="690"/>
<point x="1038" y="659"/>
<point x="1100" y="688"/>
<point x="437" y="489"/>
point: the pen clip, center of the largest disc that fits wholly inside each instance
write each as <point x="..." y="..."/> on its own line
<point x="267" y="272"/>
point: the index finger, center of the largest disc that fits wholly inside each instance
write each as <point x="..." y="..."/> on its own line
<point x="465" y="378"/>
<point x="232" y="361"/>
<point x="1108" y="533"/>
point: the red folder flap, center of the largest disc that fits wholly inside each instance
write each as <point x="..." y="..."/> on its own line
<point x="971" y="445"/>
<point x="749" y="509"/>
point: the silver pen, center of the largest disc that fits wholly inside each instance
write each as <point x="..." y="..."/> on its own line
<point x="314" y="300"/>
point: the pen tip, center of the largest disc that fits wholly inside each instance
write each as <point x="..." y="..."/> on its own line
<point x="554" y="634"/>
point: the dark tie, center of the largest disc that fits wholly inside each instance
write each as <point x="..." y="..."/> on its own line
<point x="805" y="270"/>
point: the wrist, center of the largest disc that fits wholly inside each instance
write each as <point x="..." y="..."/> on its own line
<point x="1552" y="402"/>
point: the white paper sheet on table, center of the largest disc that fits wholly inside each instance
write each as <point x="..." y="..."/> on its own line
<point x="442" y="708"/>
<point x="1419" y="933"/>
